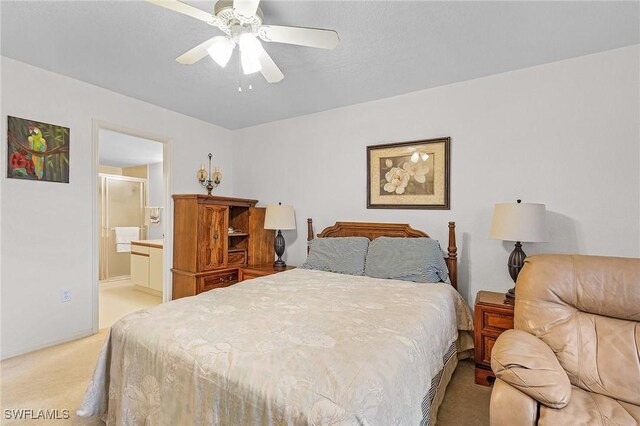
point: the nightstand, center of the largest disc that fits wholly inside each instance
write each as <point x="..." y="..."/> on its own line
<point x="492" y="316"/>
<point x="254" y="271"/>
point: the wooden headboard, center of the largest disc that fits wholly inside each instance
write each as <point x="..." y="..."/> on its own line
<point x="375" y="230"/>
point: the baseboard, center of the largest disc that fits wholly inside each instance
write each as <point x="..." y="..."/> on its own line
<point x="29" y="349"/>
<point x="147" y="290"/>
<point x="114" y="282"/>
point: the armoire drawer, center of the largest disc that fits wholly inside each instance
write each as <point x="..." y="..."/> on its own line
<point x="237" y="257"/>
<point x="217" y="280"/>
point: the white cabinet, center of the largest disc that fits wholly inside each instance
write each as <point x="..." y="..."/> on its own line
<point x="140" y="265"/>
<point x="155" y="269"/>
<point x="146" y="266"/>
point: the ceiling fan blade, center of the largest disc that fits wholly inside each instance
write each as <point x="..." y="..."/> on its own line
<point x="246" y="8"/>
<point x="183" y="8"/>
<point x="270" y="70"/>
<point x="197" y="53"/>
<point x="311" y="37"/>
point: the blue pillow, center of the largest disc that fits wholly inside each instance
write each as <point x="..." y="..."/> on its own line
<point x="344" y="255"/>
<point x="410" y="259"/>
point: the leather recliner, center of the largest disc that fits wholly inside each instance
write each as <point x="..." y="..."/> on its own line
<point x="573" y="357"/>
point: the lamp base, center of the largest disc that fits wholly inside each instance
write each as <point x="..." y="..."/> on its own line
<point x="515" y="264"/>
<point x="510" y="296"/>
<point x="278" y="246"/>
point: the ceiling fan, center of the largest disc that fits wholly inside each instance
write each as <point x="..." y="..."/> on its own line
<point x="241" y="21"/>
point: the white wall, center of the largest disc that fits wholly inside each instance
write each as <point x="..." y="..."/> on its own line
<point x="46" y="228"/>
<point x="564" y="134"/>
<point x="155" y="186"/>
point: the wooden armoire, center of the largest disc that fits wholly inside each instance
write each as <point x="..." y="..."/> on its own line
<point x="212" y="238"/>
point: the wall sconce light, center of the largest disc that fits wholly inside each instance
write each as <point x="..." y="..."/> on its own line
<point x="211" y="179"/>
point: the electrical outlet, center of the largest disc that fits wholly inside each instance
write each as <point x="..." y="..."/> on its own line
<point x="65" y="296"/>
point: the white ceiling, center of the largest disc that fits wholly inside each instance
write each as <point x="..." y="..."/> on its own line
<point x="387" y="48"/>
<point x="122" y="150"/>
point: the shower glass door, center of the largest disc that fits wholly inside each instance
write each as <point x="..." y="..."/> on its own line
<point x="121" y="203"/>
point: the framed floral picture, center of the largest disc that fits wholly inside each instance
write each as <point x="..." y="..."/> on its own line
<point x="409" y="175"/>
<point x="37" y="151"/>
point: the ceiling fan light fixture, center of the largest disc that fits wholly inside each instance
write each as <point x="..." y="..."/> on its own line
<point x="250" y="49"/>
<point x="221" y="49"/>
<point x="242" y="22"/>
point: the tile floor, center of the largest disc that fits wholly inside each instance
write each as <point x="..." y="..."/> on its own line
<point x="119" y="298"/>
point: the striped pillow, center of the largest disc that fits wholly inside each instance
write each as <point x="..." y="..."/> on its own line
<point x="410" y="259"/>
<point x="344" y="255"/>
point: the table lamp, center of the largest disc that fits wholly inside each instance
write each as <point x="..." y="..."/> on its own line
<point x="519" y="222"/>
<point x="279" y="217"/>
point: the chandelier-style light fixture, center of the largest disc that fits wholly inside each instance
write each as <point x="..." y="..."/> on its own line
<point x="209" y="180"/>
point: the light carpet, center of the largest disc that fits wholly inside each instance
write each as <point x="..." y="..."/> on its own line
<point x="57" y="377"/>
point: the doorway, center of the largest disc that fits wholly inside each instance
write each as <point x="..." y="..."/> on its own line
<point x="131" y="221"/>
<point x="121" y="203"/>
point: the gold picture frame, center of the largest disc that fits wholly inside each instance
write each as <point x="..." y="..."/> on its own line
<point x="409" y="175"/>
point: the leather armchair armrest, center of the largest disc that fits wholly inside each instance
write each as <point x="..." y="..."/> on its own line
<point x="510" y="407"/>
<point x="528" y="364"/>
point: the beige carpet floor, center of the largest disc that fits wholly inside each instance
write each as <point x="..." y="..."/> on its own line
<point x="51" y="378"/>
<point x="56" y="378"/>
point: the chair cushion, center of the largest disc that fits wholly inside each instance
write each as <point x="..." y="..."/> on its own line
<point x="587" y="408"/>
<point x="586" y="309"/>
<point x="528" y="364"/>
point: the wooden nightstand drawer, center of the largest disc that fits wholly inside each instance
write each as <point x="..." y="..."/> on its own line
<point x="491" y="317"/>
<point x="487" y="347"/>
<point x="218" y="280"/>
<point x="496" y="321"/>
<point x="248" y="276"/>
<point x="250" y="272"/>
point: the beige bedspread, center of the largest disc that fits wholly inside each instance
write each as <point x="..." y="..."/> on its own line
<point x="299" y="347"/>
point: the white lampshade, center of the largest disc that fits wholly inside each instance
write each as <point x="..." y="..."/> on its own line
<point x="280" y="217"/>
<point x="524" y="222"/>
<point x="250" y="49"/>
<point x="221" y="49"/>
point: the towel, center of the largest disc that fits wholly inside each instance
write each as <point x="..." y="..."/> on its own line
<point x="154" y="215"/>
<point x="124" y="236"/>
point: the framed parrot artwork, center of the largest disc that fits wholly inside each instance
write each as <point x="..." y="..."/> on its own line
<point x="37" y="151"/>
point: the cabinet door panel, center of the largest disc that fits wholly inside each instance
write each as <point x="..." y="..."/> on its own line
<point x="212" y="236"/>
<point x="140" y="269"/>
<point x="155" y="269"/>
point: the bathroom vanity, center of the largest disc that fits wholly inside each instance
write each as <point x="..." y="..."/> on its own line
<point x="146" y="265"/>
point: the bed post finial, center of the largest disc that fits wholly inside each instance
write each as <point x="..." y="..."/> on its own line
<point x="309" y="231"/>
<point x="452" y="252"/>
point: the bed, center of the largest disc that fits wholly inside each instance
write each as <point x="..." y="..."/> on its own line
<point x="298" y="347"/>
